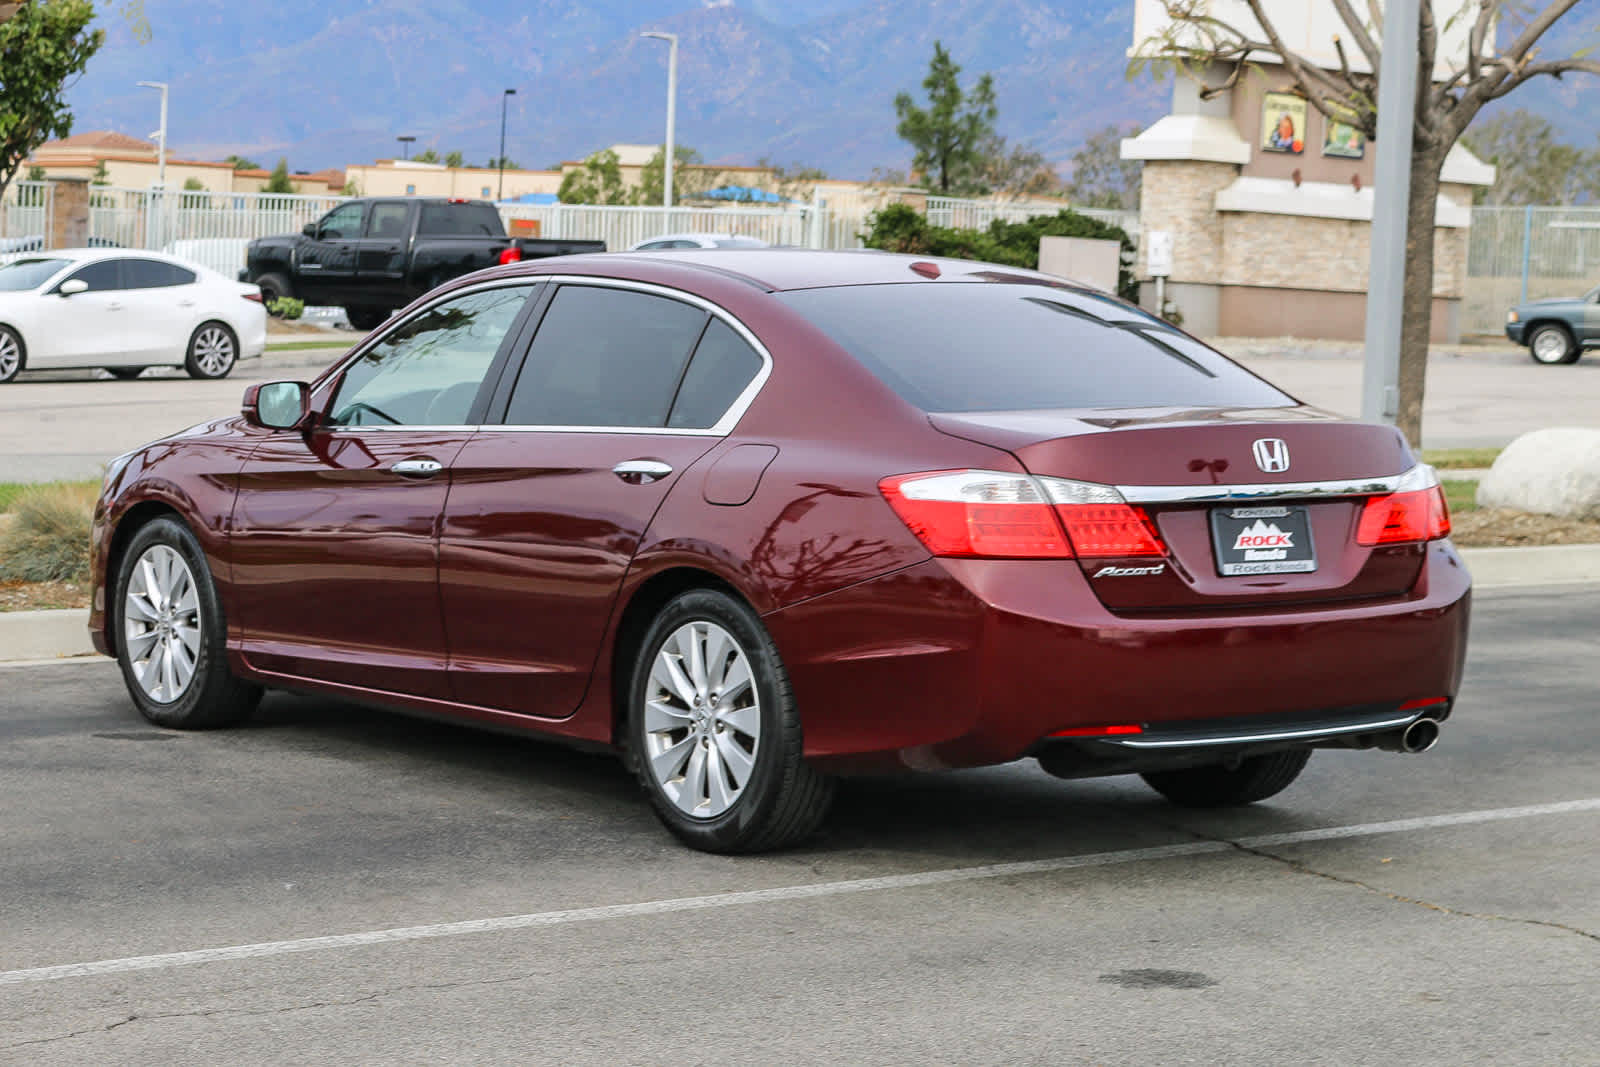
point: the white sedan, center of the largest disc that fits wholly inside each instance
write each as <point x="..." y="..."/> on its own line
<point x="124" y="310"/>
<point x="699" y="240"/>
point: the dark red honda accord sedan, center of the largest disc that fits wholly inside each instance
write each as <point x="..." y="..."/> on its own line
<point x="755" y="519"/>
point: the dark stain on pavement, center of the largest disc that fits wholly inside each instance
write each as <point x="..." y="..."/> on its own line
<point x="1148" y="978"/>
<point x="137" y="735"/>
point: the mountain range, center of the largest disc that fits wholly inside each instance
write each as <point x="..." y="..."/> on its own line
<point x="811" y="83"/>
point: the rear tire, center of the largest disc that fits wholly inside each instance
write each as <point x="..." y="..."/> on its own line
<point x="366" y="318"/>
<point x="1551" y="345"/>
<point x="713" y="733"/>
<point x="213" y="352"/>
<point x="273" y="286"/>
<point x="1218" y="786"/>
<point x="171" y="635"/>
<point x="13" y="354"/>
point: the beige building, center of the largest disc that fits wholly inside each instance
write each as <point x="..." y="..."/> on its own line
<point x="131" y="163"/>
<point x="1267" y="206"/>
<point x="407" y="177"/>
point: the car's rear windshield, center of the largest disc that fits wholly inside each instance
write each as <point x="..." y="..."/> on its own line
<point x="28" y="273"/>
<point x="994" y="346"/>
<point x="460" y="220"/>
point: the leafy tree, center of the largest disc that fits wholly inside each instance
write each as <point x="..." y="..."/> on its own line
<point x="42" y="46"/>
<point x="427" y="155"/>
<point x="494" y="164"/>
<point x="1101" y="177"/>
<point x="351" y="188"/>
<point x="1531" y="166"/>
<point x="35" y="174"/>
<point x="689" y="178"/>
<point x="453" y="159"/>
<point x="1502" y="52"/>
<point x="597" y="181"/>
<point x="241" y="163"/>
<point x="1016" y="170"/>
<point x="951" y="133"/>
<point x="279" y="182"/>
<point x="100" y="177"/>
<point x="193" y="185"/>
<point x="901" y="228"/>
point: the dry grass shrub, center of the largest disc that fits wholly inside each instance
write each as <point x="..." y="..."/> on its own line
<point x="47" y="537"/>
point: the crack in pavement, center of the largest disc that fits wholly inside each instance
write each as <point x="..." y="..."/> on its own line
<point x="206" y="1013"/>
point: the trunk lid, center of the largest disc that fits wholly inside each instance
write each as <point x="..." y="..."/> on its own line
<point x="1172" y="464"/>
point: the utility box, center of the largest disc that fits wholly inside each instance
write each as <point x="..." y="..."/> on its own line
<point x="1082" y="259"/>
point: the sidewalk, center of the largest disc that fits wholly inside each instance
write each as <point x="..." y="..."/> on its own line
<point x="50" y="636"/>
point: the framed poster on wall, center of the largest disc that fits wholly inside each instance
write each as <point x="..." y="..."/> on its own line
<point x="1343" y="140"/>
<point x="1283" y="123"/>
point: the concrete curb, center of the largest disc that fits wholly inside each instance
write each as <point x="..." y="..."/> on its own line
<point x="55" y="635"/>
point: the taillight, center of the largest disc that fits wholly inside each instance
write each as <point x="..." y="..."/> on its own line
<point x="1404" y="518"/>
<point x="510" y="255"/>
<point x="1014" y="516"/>
<point x="256" y="296"/>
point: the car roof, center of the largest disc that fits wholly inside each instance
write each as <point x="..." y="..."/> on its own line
<point x="779" y="269"/>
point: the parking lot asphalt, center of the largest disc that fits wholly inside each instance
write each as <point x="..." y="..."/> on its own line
<point x="68" y="424"/>
<point x="387" y="890"/>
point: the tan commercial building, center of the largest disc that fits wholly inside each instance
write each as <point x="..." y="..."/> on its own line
<point x="1266" y="205"/>
<point x="407" y="177"/>
<point x="116" y="159"/>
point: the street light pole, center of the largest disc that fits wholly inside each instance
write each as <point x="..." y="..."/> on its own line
<point x="405" y="140"/>
<point x="672" y="104"/>
<point x="161" y="134"/>
<point x="505" y="98"/>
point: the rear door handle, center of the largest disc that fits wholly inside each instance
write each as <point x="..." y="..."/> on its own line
<point x="113" y="307"/>
<point x="417" y="468"/>
<point x="640" y="471"/>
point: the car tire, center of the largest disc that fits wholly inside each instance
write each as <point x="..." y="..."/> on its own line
<point x="13" y="354"/>
<point x="723" y="770"/>
<point x="125" y="374"/>
<point x="1221" y="786"/>
<point x="213" y="352"/>
<point x="272" y="287"/>
<point x="171" y="635"/>
<point x="366" y="318"/>
<point x="1551" y="345"/>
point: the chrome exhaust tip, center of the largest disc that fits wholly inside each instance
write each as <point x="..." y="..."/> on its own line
<point x="1418" y="737"/>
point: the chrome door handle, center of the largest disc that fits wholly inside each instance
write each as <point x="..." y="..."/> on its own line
<point x="186" y="303"/>
<point x="417" y="468"/>
<point x="113" y="307"/>
<point x="640" y="471"/>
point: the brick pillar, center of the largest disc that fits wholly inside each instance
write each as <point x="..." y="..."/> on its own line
<point x="69" y="213"/>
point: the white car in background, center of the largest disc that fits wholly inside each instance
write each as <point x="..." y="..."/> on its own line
<point x="124" y="310"/>
<point x="699" y="240"/>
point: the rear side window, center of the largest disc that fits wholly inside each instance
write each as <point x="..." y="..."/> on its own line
<point x="388" y="220"/>
<point x="723" y="364"/>
<point x="605" y="357"/>
<point x="153" y="274"/>
<point x="987" y="346"/>
<point x="460" y="220"/>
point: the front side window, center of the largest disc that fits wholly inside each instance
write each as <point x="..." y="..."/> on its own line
<point x="605" y="357"/>
<point x="342" y="223"/>
<point x="24" y="274"/>
<point x="993" y="346"/>
<point x="428" y="370"/>
<point x="99" y="277"/>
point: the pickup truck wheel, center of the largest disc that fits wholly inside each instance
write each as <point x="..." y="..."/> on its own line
<point x="365" y="318"/>
<point x="273" y="286"/>
<point x="1552" y="345"/>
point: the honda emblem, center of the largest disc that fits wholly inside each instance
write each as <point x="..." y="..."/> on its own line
<point x="1272" y="454"/>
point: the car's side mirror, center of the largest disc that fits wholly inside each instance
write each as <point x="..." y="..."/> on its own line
<point x="277" y="405"/>
<point x="73" y="286"/>
<point x="310" y="230"/>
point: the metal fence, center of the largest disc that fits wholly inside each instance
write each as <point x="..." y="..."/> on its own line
<point x="211" y="229"/>
<point x="1527" y="253"/>
<point x="25" y="217"/>
<point x="978" y="214"/>
<point x="623" y="227"/>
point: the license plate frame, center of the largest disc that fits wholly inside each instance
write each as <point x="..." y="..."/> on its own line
<point x="1284" y="534"/>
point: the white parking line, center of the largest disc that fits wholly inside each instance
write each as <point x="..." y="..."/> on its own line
<point x="167" y="960"/>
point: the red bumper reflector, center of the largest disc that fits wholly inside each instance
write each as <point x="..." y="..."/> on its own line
<point x="1429" y="702"/>
<point x="1100" y="731"/>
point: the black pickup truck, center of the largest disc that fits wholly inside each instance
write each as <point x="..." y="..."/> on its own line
<point x="373" y="255"/>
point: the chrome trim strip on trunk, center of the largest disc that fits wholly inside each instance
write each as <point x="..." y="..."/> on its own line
<point x="1421" y="476"/>
<point x="1374" y="726"/>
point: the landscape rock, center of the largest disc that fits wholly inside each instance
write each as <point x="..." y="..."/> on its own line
<point x="1550" y="472"/>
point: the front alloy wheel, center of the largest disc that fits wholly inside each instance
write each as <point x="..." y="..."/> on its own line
<point x="212" y="352"/>
<point x="161" y="625"/>
<point x="713" y="732"/>
<point x="1551" y="345"/>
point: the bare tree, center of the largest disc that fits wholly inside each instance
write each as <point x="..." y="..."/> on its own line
<point x="1217" y="53"/>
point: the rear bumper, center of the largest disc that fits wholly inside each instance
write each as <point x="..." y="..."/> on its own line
<point x="957" y="663"/>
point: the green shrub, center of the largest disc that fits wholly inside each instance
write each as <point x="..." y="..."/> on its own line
<point x="287" y="307"/>
<point x="901" y="228"/>
<point x="47" y="539"/>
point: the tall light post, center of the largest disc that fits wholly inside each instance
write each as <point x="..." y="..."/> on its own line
<point x="161" y="134"/>
<point x="672" y="103"/>
<point x="505" y="98"/>
<point x="405" y="140"/>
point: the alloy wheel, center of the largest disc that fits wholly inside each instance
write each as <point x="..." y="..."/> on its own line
<point x="10" y="355"/>
<point x="702" y="719"/>
<point x="213" y="351"/>
<point x="1549" y="346"/>
<point x="161" y="629"/>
